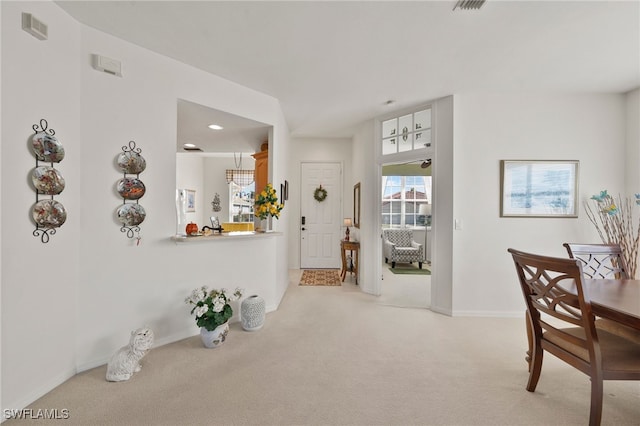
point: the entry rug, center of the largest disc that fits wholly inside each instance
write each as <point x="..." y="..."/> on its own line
<point x="408" y="269"/>
<point x="320" y="277"/>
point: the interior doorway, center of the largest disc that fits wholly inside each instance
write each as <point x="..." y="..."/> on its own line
<point x="407" y="204"/>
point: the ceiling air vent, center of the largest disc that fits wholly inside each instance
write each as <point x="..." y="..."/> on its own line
<point x="34" y="26"/>
<point x="468" y="4"/>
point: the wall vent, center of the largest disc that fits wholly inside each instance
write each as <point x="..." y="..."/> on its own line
<point x="108" y="65"/>
<point x="468" y="4"/>
<point x="34" y="26"/>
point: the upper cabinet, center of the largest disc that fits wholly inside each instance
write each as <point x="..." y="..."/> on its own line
<point x="261" y="168"/>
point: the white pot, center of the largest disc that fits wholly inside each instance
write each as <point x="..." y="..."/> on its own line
<point x="252" y="313"/>
<point x="216" y="337"/>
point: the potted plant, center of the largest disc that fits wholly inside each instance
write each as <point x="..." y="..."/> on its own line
<point x="616" y="224"/>
<point x="212" y="311"/>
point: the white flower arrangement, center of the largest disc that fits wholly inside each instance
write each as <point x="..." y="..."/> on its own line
<point x="212" y="308"/>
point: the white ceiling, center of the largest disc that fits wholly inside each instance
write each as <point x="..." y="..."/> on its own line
<point x="334" y="64"/>
<point x="239" y="134"/>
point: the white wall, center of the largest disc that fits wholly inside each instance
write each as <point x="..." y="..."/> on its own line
<point x="40" y="79"/>
<point x="189" y="175"/>
<point x="632" y="178"/>
<point x="443" y="206"/>
<point x="315" y="150"/>
<point x="365" y="171"/>
<point x="69" y="304"/>
<point x="491" y="127"/>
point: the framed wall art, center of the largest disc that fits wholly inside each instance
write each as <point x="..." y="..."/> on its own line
<point x="191" y="200"/>
<point x="539" y="188"/>
<point x="356" y="205"/>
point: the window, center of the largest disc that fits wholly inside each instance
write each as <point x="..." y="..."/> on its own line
<point x="401" y="200"/>
<point x="241" y="205"/>
<point x="407" y="133"/>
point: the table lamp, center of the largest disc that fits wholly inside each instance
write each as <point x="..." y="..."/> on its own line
<point x="347" y="222"/>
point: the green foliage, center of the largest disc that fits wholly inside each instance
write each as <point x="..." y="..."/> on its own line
<point x="212" y="308"/>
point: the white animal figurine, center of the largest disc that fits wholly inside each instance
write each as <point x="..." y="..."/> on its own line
<point x="126" y="361"/>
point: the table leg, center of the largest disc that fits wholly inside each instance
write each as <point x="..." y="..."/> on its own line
<point x="343" y="273"/>
<point x="356" y="265"/>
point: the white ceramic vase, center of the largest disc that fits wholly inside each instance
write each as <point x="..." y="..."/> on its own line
<point x="215" y="337"/>
<point x="252" y="313"/>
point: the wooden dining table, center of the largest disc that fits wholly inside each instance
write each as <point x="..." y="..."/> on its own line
<point x="617" y="300"/>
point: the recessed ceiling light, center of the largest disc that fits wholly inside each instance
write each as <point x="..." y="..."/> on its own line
<point x="215" y="127"/>
<point x="188" y="145"/>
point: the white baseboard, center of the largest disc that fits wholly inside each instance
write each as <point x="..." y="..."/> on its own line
<point x="157" y="343"/>
<point x="440" y="310"/>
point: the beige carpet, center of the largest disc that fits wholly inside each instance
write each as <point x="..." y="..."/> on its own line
<point x="336" y="357"/>
<point x="320" y="277"/>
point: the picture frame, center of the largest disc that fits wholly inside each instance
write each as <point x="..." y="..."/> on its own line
<point x="539" y="188"/>
<point x="284" y="191"/>
<point x="356" y="205"/>
<point x="190" y="206"/>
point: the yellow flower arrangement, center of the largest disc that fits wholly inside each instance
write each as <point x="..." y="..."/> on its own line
<point x="267" y="203"/>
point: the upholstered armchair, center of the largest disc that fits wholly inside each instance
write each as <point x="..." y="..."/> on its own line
<point x="399" y="246"/>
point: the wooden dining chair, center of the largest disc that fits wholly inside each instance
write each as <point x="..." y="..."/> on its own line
<point x="562" y="324"/>
<point x="604" y="261"/>
<point x="599" y="260"/>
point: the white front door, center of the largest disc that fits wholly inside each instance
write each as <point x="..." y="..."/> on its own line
<point x="321" y="221"/>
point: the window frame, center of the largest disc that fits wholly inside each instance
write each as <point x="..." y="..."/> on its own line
<point x="405" y="188"/>
<point x="250" y="198"/>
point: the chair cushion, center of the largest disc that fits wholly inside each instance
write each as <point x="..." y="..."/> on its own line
<point x="406" y="250"/>
<point x="618" y="354"/>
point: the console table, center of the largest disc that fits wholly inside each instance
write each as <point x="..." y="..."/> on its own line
<point x="350" y="246"/>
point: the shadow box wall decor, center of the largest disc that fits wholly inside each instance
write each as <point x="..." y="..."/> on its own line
<point x="131" y="214"/>
<point x="47" y="213"/>
<point x="539" y="188"/>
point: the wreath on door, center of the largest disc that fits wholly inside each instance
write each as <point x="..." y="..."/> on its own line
<point x="320" y="194"/>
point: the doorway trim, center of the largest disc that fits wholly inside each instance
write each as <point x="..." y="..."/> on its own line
<point x="408" y="156"/>
<point x="340" y="205"/>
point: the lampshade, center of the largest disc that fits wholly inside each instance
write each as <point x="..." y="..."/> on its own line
<point x="425" y="210"/>
<point x="347" y="222"/>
